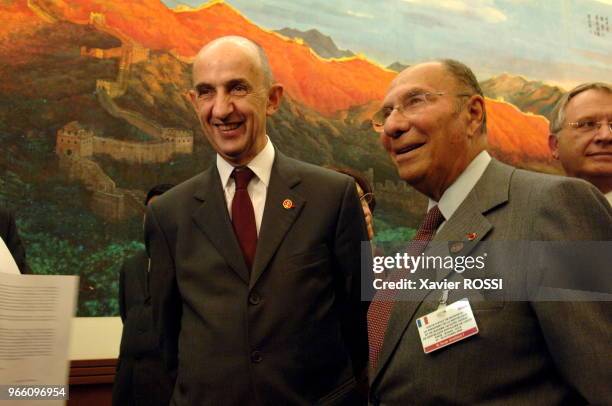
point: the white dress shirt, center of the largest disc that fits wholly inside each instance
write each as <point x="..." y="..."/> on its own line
<point x="609" y="197"/>
<point x="452" y="197"/>
<point x="261" y="166"/>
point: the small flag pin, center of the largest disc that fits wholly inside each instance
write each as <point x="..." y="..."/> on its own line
<point x="471" y="236"/>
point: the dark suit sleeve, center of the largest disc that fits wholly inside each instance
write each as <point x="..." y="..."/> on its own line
<point x="350" y="232"/>
<point x="165" y="297"/>
<point x="13" y="242"/>
<point x="578" y="334"/>
<point x="122" y="305"/>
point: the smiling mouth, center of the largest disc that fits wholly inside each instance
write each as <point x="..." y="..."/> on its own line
<point x="408" y="148"/>
<point x="228" y="126"/>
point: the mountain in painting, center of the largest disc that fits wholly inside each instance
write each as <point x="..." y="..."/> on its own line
<point x="517" y="138"/>
<point x="397" y="66"/>
<point x="333" y="85"/>
<point x="529" y="96"/>
<point x="320" y="43"/>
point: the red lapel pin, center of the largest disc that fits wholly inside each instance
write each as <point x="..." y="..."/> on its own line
<point x="287" y="204"/>
<point x="471" y="236"/>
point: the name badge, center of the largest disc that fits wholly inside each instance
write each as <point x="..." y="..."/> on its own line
<point x="446" y="326"/>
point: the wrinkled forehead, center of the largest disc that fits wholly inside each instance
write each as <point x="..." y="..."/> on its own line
<point x="430" y="77"/>
<point x="592" y="103"/>
<point x="221" y="62"/>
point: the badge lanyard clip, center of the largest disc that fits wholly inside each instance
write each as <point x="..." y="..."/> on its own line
<point x="443" y="299"/>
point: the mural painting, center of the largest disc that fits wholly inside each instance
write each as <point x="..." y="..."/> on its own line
<point x="94" y="110"/>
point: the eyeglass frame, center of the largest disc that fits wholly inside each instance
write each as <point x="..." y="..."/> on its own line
<point x="576" y="125"/>
<point x="379" y="127"/>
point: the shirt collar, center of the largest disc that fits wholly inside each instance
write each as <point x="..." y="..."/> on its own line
<point x="609" y="196"/>
<point x="261" y="165"/>
<point x="457" y="192"/>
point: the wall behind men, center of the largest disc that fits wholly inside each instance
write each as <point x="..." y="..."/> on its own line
<point x="75" y="73"/>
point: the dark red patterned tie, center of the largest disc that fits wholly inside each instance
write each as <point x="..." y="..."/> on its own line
<point x="382" y="305"/>
<point x="243" y="215"/>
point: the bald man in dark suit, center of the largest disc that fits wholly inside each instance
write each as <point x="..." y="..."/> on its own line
<point x="256" y="261"/>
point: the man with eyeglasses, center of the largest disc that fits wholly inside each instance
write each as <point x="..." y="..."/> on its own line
<point x="433" y="125"/>
<point x="581" y="134"/>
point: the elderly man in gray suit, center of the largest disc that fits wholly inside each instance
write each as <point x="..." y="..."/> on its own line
<point x="433" y="125"/>
<point x="255" y="262"/>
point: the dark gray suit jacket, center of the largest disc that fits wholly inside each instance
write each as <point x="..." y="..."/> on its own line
<point x="293" y="331"/>
<point x="141" y="379"/>
<point x="526" y="352"/>
<point x="8" y="233"/>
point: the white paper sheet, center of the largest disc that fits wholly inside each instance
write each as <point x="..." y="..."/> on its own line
<point x="7" y="263"/>
<point x="35" y="316"/>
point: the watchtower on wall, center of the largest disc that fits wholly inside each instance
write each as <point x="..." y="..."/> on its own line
<point x="139" y="53"/>
<point x="181" y="139"/>
<point x="97" y="18"/>
<point x="74" y="140"/>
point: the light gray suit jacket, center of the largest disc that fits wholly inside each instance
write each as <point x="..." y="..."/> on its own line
<point x="291" y="332"/>
<point x="526" y="352"/>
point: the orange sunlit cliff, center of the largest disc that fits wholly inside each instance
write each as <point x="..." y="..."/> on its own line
<point x="17" y="17"/>
<point x="327" y="86"/>
<point x="520" y="137"/>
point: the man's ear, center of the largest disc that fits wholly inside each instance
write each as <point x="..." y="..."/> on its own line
<point x="193" y="97"/>
<point x="476" y="111"/>
<point x="275" y="96"/>
<point x="553" y="145"/>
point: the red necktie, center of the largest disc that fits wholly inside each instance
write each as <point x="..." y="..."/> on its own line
<point x="243" y="215"/>
<point x="382" y="305"/>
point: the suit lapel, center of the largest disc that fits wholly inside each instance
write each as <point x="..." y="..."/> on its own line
<point x="277" y="219"/>
<point x="468" y="226"/>
<point x="213" y="219"/>
<point x="462" y="232"/>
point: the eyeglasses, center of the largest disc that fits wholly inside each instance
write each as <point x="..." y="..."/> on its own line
<point x="589" y="126"/>
<point x="367" y="198"/>
<point x="410" y="104"/>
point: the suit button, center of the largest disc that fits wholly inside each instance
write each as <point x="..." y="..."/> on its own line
<point x="256" y="357"/>
<point x="254" y="298"/>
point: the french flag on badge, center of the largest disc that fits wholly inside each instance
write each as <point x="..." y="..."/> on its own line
<point x="422" y="323"/>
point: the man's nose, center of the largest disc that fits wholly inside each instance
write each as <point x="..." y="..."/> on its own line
<point x="223" y="106"/>
<point x="396" y="124"/>
<point x="604" y="133"/>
